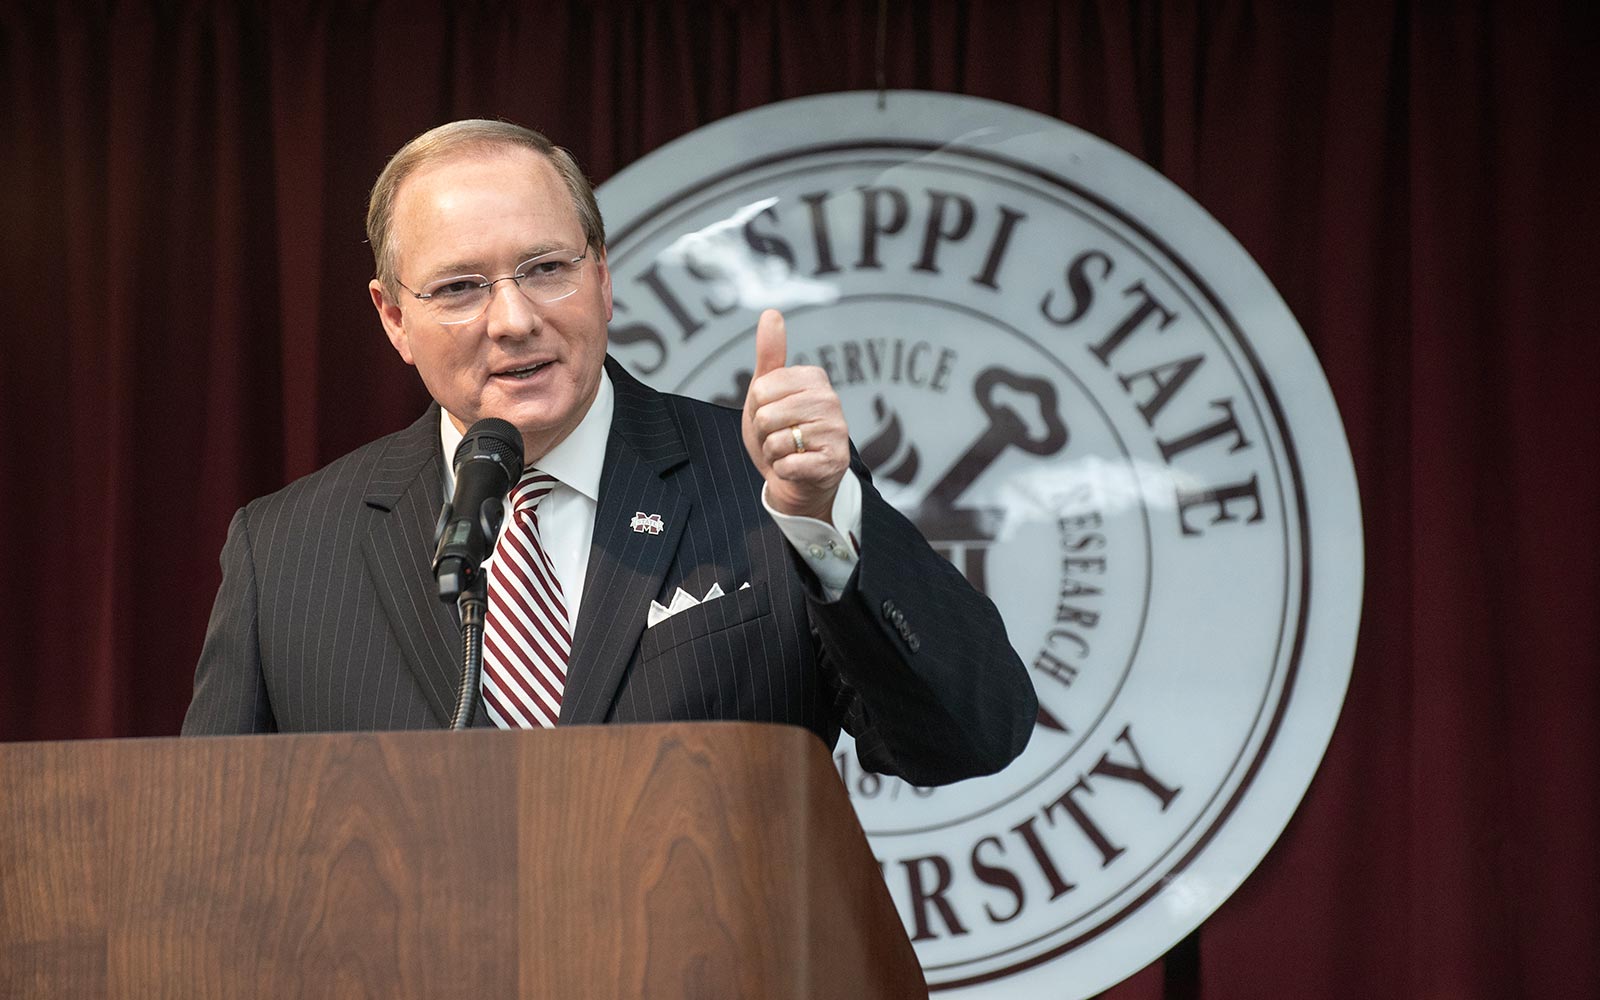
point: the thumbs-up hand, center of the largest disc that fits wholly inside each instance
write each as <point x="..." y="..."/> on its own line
<point x="794" y="427"/>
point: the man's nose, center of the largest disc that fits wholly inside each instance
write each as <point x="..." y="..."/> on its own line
<point x="510" y="312"/>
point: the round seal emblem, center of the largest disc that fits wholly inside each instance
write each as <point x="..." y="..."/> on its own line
<point x="1088" y="397"/>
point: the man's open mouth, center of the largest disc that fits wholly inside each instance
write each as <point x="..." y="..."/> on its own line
<point x="524" y="372"/>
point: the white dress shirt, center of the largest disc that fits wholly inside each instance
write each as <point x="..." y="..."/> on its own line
<point x="566" y="516"/>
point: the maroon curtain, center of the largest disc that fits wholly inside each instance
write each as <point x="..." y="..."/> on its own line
<point x="186" y="326"/>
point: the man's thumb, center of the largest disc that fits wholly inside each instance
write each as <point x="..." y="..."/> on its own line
<point x="772" y="344"/>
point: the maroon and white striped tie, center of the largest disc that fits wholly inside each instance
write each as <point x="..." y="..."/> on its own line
<point x="526" y="638"/>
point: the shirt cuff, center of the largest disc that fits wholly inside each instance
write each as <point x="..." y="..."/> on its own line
<point x="831" y="552"/>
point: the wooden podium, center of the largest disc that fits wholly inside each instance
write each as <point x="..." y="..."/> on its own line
<point x="706" y="860"/>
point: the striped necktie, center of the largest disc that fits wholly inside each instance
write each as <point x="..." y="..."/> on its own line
<point x="527" y="639"/>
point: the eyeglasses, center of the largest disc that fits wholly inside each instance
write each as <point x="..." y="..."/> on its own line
<point x="549" y="277"/>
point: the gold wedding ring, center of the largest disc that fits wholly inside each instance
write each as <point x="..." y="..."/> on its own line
<point x="799" y="440"/>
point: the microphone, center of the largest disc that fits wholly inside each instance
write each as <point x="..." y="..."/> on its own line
<point x="487" y="463"/>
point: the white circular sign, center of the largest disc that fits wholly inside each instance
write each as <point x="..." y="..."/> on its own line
<point x="1087" y="396"/>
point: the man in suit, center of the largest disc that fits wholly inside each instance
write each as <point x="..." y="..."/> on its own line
<point x="800" y="595"/>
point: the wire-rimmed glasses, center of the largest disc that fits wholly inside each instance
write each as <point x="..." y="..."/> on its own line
<point x="462" y="298"/>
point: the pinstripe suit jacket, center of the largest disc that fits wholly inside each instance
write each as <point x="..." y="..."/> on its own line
<point x="327" y="617"/>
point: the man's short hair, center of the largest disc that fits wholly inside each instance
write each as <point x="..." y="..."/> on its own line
<point x="466" y="137"/>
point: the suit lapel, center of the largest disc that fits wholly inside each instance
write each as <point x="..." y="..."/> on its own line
<point x="403" y="500"/>
<point x="626" y="567"/>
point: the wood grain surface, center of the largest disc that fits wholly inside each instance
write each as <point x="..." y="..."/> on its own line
<point x="707" y="860"/>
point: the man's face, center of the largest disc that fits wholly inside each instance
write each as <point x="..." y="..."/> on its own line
<point x="536" y="365"/>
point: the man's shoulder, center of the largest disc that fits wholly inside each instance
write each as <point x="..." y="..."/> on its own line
<point x="376" y="471"/>
<point x="699" y="411"/>
<point x="651" y="413"/>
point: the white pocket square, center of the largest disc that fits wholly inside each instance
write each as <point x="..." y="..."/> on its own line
<point x="682" y="600"/>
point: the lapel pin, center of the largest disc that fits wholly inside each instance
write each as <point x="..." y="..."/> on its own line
<point x="646" y="522"/>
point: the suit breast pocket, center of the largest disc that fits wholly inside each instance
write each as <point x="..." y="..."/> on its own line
<point x="713" y="616"/>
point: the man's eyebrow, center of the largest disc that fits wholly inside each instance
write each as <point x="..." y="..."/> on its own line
<point x="540" y="249"/>
<point x="453" y="269"/>
<point x="527" y="253"/>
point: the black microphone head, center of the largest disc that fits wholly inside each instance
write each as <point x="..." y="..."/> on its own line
<point x="487" y="464"/>
<point x="493" y="439"/>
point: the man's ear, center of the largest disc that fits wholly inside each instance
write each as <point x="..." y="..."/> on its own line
<point x="389" y="314"/>
<point x="604" y="274"/>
